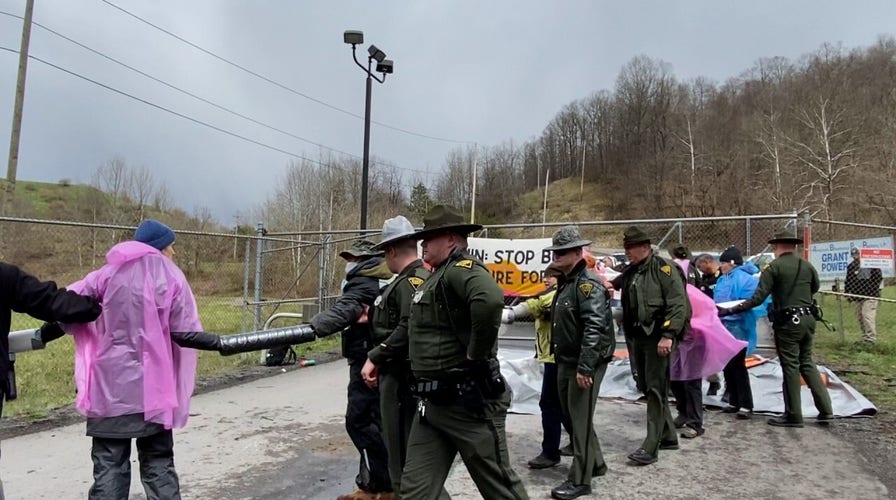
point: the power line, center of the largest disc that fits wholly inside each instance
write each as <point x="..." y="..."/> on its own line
<point x="278" y="84"/>
<point x="194" y="96"/>
<point x="200" y="122"/>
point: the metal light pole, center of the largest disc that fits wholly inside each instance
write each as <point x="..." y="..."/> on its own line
<point x="384" y="66"/>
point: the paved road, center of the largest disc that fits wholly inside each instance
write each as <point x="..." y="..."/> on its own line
<point x="282" y="438"/>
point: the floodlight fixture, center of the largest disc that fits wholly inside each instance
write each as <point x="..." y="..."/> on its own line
<point x="385" y="67"/>
<point x="376" y="54"/>
<point x="353" y="37"/>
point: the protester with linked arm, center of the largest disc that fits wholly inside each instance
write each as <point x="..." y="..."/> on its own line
<point x="364" y="268"/>
<point x="23" y="293"/>
<point x="737" y="281"/>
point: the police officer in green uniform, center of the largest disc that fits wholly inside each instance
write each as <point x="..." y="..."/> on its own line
<point x="583" y="345"/>
<point x="453" y="341"/>
<point x="791" y="281"/>
<point x="655" y="313"/>
<point x="388" y="366"/>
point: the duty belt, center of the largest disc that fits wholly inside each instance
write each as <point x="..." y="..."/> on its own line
<point x="797" y="311"/>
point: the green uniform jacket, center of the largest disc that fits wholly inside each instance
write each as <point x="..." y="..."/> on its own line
<point x="540" y="307"/>
<point x="654" y="297"/>
<point x="582" y="323"/>
<point x="790" y="280"/>
<point x="455" y="316"/>
<point x="391" y="311"/>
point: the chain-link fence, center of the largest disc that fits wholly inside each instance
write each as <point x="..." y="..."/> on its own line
<point x="215" y="264"/>
<point x="855" y="265"/>
<point x="710" y="235"/>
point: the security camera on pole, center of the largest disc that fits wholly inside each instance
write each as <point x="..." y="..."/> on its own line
<point x="384" y="66"/>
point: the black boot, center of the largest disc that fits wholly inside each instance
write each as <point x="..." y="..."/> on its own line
<point x="568" y="491"/>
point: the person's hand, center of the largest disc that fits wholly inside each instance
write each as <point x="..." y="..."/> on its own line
<point x="507" y="316"/>
<point x="724" y="311"/>
<point x="50" y="332"/>
<point x="369" y="374"/>
<point x="664" y="348"/>
<point x="584" y="381"/>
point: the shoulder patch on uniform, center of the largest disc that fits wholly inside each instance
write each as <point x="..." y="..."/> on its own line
<point x="586" y="289"/>
<point x="667" y="269"/>
<point x="415" y="282"/>
<point x="466" y="263"/>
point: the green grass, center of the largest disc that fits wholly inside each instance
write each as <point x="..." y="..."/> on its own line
<point x="45" y="379"/>
<point x="871" y="370"/>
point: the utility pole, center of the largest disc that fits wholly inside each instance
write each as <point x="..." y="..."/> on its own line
<point x="473" y="202"/>
<point x="17" y="109"/>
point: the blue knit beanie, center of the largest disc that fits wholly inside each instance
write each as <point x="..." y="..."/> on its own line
<point x="154" y="234"/>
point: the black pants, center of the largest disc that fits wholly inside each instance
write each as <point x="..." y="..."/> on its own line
<point x="689" y="401"/>
<point x="112" y="467"/>
<point x="737" y="382"/>
<point x="362" y="422"/>
<point x="551" y="414"/>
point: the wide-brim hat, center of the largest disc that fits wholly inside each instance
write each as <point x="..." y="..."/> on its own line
<point x="394" y="230"/>
<point x="785" y="237"/>
<point x="633" y="236"/>
<point x="445" y="218"/>
<point x="361" y="248"/>
<point x="566" y="238"/>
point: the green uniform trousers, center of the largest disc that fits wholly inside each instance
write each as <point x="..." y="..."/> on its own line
<point x="653" y="382"/>
<point x="479" y="437"/>
<point x="578" y="408"/>
<point x="794" y="346"/>
<point x="397" y="408"/>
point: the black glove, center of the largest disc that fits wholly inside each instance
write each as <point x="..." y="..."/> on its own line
<point x="49" y="332"/>
<point x="724" y="311"/>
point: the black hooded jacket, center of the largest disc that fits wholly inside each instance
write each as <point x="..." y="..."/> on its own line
<point x="23" y="293"/>
<point x="351" y="310"/>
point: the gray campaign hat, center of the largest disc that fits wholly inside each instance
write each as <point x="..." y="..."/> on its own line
<point x="360" y="248"/>
<point x="394" y="230"/>
<point x="567" y="237"/>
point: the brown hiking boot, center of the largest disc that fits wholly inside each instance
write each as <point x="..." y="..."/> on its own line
<point x="360" y="494"/>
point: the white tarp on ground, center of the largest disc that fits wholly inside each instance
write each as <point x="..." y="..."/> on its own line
<point x="523" y="374"/>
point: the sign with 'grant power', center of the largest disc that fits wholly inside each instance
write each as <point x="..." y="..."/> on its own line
<point x="831" y="258"/>
<point x="516" y="264"/>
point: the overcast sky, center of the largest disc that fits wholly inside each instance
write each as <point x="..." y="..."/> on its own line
<point x="482" y="71"/>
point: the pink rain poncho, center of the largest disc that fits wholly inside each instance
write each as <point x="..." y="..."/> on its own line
<point x="125" y="361"/>
<point x="708" y="347"/>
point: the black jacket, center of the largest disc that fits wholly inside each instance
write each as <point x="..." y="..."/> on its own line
<point x="23" y="293"/>
<point x="862" y="281"/>
<point x="350" y="312"/>
<point x="582" y="323"/>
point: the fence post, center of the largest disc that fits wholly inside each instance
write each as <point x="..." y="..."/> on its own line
<point x="247" y="260"/>
<point x="322" y="271"/>
<point x="259" y="274"/>
<point x="748" y="249"/>
<point x="839" y="310"/>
